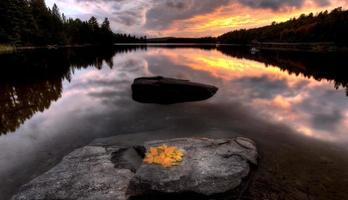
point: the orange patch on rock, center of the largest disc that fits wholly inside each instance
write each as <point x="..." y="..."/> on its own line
<point x="166" y="156"/>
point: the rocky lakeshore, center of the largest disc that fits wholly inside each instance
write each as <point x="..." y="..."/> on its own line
<point x="211" y="168"/>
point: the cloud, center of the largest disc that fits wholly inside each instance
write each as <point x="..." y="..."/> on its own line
<point x="328" y="121"/>
<point x="278" y="4"/>
<point x="323" y="2"/>
<point x="261" y="87"/>
<point x="325" y="108"/>
<point x="273" y="4"/>
<point x="128" y="18"/>
<point x="153" y="16"/>
<point x="164" y="13"/>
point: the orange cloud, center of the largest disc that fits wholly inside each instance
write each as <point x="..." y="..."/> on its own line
<point x="237" y="16"/>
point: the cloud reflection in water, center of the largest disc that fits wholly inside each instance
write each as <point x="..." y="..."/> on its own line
<point x="253" y="100"/>
<point x="313" y="108"/>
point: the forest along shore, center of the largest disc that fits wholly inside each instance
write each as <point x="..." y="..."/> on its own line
<point x="11" y="49"/>
<point x="31" y="24"/>
<point x="315" y="47"/>
<point x="295" y="46"/>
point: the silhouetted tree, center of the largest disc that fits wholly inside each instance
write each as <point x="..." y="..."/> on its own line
<point x="106" y="33"/>
<point x="324" y="27"/>
<point x="31" y="22"/>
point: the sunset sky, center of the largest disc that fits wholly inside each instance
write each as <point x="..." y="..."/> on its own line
<point x="190" y="18"/>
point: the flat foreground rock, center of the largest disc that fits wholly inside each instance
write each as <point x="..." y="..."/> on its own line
<point x="163" y="90"/>
<point x="209" y="167"/>
<point x="86" y="173"/>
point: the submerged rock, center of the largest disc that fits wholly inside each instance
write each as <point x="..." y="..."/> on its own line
<point x="162" y="90"/>
<point x="109" y="171"/>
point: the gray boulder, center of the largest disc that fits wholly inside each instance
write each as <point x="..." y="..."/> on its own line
<point x="110" y="171"/>
<point x="86" y="173"/>
<point x="209" y="167"/>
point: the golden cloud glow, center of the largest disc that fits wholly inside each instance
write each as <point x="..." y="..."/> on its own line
<point x="236" y="16"/>
<point x="282" y="107"/>
<point x="226" y="67"/>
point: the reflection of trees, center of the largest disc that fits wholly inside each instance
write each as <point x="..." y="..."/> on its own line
<point x="31" y="81"/>
<point x="20" y="102"/>
<point x="329" y="66"/>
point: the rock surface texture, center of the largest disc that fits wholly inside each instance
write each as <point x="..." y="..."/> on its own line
<point x="209" y="167"/>
<point x="163" y="90"/>
<point x="86" y="173"/>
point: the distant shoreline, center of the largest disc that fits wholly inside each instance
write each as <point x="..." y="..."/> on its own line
<point x="10" y="48"/>
<point x="300" y="46"/>
<point x="319" y="47"/>
<point x="277" y="46"/>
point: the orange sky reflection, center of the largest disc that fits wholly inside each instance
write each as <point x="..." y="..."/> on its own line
<point x="282" y="106"/>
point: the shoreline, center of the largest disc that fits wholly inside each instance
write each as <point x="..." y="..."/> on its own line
<point x="315" y="47"/>
<point x="11" y="49"/>
<point x="300" y="46"/>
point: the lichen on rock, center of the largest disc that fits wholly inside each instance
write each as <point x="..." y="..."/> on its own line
<point x="106" y="170"/>
<point x="166" y="156"/>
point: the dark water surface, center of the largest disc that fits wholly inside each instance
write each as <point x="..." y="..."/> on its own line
<point x="294" y="105"/>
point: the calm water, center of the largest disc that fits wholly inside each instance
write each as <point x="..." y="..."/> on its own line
<point x="294" y="105"/>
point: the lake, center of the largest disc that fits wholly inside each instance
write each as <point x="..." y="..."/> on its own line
<point x="293" y="104"/>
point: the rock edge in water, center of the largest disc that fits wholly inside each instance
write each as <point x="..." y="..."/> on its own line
<point x="161" y="90"/>
<point x="210" y="167"/>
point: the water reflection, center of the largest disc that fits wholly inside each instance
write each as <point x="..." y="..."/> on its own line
<point x="305" y="100"/>
<point x="21" y="102"/>
<point x="55" y="101"/>
<point x="320" y="66"/>
<point x="284" y="86"/>
<point x="31" y="81"/>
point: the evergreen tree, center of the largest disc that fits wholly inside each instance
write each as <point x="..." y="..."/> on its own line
<point x="31" y="22"/>
<point x="106" y="33"/>
<point x="55" y="12"/>
<point x="93" y="23"/>
<point x="106" y="25"/>
<point x="325" y="27"/>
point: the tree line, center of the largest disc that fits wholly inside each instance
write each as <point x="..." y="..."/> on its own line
<point x="31" y="22"/>
<point x="182" y="40"/>
<point x="322" y="27"/>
